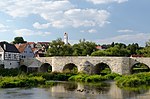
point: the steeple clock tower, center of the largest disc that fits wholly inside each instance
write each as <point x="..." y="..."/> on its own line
<point x="65" y="38"/>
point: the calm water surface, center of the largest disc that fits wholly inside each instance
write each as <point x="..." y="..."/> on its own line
<point x="68" y="90"/>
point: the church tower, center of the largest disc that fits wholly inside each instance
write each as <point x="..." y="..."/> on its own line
<point x="65" y="38"/>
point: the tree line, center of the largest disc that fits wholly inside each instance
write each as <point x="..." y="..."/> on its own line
<point x="88" y="48"/>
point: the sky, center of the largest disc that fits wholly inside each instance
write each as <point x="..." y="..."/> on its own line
<point x="100" y="21"/>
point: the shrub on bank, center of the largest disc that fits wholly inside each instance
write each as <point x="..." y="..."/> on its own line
<point x="95" y="78"/>
<point x="112" y="76"/>
<point x="133" y="80"/>
<point x="21" y="81"/>
<point x="9" y="72"/>
<point x="54" y="76"/>
<point x="78" y="78"/>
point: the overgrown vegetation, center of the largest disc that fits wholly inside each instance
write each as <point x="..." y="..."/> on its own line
<point x="92" y="78"/>
<point x="9" y="72"/>
<point x="21" y="81"/>
<point x="11" y="78"/>
<point x="134" y="80"/>
<point x="84" y="48"/>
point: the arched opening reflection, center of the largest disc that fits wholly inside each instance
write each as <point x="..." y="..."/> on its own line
<point x="70" y="68"/>
<point x="46" y="67"/>
<point x="139" y="67"/>
<point x="102" y="69"/>
<point x="70" y="86"/>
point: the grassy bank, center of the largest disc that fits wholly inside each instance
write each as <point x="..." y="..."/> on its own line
<point x="134" y="80"/>
<point x="15" y="78"/>
<point x="31" y="80"/>
<point x="21" y="81"/>
<point x="92" y="78"/>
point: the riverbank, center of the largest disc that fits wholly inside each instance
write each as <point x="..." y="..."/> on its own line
<point x="12" y="80"/>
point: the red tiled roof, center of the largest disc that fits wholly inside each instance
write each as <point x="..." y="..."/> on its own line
<point x="21" y="47"/>
<point x="43" y="42"/>
<point x="31" y="42"/>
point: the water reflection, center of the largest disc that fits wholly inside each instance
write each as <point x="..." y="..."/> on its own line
<point x="72" y="90"/>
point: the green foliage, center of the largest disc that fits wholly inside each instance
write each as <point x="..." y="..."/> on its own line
<point x="83" y="48"/>
<point x="20" y="81"/>
<point x="54" y="76"/>
<point x="112" y="76"/>
<point x="18" y="40"/>
<point x="145" y="51"/>
<point x="148" y="43"/>
<point x="9" y="72"/>
<point x="95" y="78"/>
<point x="133" y="80"/>
<point x="117" y="49"/>
<point x="59" y="48"/>
<point x="48" y="84"/>
<point x="78" y="78"/>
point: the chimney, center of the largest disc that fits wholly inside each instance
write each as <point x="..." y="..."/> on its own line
<point x="4" y="46"/>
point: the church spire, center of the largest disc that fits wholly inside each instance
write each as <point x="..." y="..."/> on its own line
<point x="65" y="38"/>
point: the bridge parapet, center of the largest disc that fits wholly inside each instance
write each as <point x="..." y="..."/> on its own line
<point x="120" y="65"/>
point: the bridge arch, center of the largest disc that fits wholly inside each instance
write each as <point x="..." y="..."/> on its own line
<point x="139" y="67"/>
<point x="45" y="67"/>
<point x="101" y="68"/>
<point x="70" y="67"/>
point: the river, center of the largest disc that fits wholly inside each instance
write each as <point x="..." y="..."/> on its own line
<point x="69" y="90"/>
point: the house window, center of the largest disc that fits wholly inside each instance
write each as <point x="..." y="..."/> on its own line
<point x="9" y="56"/>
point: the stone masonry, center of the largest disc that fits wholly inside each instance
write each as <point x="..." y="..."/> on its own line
<point x="120" y="65"/>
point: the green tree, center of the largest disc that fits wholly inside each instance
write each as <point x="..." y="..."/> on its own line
<point x="18" y="40"/>
<point x="145" y="51"/>
<point x="133" y="48"/>
<point x="58" y="48"/>
<point x="148" y="43"/>
<point x="118" y="50"/>
<point x="84" y="48"/>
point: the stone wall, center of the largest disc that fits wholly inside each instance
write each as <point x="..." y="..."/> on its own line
<point x="120" y="65"/>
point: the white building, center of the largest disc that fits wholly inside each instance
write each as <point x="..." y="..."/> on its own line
<point x="9" y="55"/>
<point x="65" y="38"/>
<point x="25" y="50"/>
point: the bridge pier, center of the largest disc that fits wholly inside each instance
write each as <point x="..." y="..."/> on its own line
<point x="120" y="65"/>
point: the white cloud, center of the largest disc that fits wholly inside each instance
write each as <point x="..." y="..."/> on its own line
<point x="139" y="38"/>
<point x="106" y="1"/>
<point x="87" y="17"/>
<point x="92" y="31"/>
<point x="89" y="31"/>
<point x="57" y="13"/>
<point x="27" y="32"/>
<point x="3" y="28"/>
<point x="22" y="8"/>
<point x="125" y="31"/>
<point x="37" y="25"/>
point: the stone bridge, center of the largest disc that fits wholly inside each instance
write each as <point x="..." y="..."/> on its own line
<point x="120" y="65"/>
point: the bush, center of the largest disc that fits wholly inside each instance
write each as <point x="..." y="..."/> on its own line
<point x="9" y="72"/>
<point x="54" y="76"/>
<point x="78" y="78"/>
<point x="95" y="78"/>
<point x="21" y="81"/>
<point x="112" y="76"/>
<point x="133" y="80"/>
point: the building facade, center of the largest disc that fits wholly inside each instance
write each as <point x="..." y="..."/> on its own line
<point x="25" y="50"/>
<point x="9" y="56"/>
